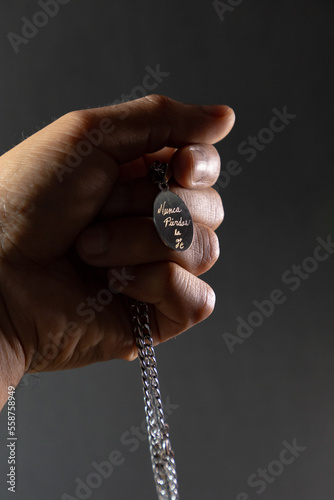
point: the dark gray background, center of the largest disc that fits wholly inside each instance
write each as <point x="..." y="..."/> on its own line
<point x="235" y="410"/>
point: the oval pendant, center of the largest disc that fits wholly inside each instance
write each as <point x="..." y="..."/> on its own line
<point x="173" y="221"/>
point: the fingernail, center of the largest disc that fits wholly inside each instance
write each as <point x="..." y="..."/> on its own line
<point x="200" y="166"/>
<point x="218" y="110"/>
<point x="93" y="241"/>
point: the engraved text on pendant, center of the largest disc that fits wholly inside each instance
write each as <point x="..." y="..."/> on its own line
<point x="173" y="221"/>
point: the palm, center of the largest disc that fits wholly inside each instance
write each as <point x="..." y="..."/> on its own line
<point x="49" y="299"/>
<point x="67" y="304"/>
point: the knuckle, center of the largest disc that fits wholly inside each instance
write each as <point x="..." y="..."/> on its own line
<point x="217" y="208"/>
<point x="197" y="296"/>
<point x="77" y="122"/>
<point x="130" y="354"/>
<point x="213" y="246"/>
<point x="206" y="299"/>
<point x="208" y="248"/>
<point x="160" y="101"/>
<point x="172" y="276"/>
<point x="159" y="106"/>
<point x="208" y="302"/>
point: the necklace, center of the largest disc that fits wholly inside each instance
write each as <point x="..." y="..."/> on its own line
<point x="175" y="227"/>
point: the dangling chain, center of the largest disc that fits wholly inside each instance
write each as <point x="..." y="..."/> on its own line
<point x="162" y="456"/>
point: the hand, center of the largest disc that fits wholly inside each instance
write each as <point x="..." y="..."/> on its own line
<point x="76" y="223"/>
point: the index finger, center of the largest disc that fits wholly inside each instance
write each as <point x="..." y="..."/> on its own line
<point x="154" y="122"/>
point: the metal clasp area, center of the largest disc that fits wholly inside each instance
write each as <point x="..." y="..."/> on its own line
<point x="158" y="174"/>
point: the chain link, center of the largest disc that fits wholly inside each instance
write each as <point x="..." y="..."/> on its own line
<point x="162" y="456"/>
<point x="158" y="175"/>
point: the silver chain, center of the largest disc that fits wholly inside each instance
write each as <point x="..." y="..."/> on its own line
<point x="162" y="456"/>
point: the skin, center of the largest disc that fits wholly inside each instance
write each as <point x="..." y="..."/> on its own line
<point x="50" y="228"/>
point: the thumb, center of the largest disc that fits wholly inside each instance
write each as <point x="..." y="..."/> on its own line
<point x="57" y="181"/>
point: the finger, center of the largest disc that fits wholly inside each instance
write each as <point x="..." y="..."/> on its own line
<point x="137" y="198"/>
<point x="180" y="299"/>
<point x="153" y="122"/>
<point x="196" y="166"/>
<point x="141" y="166"/>
<point x="198" y="161"/>
<point x="205" y="205"/>
<point x="132" y="241"/>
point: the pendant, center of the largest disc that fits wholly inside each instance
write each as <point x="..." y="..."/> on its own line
<point x="173" y="221"/>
